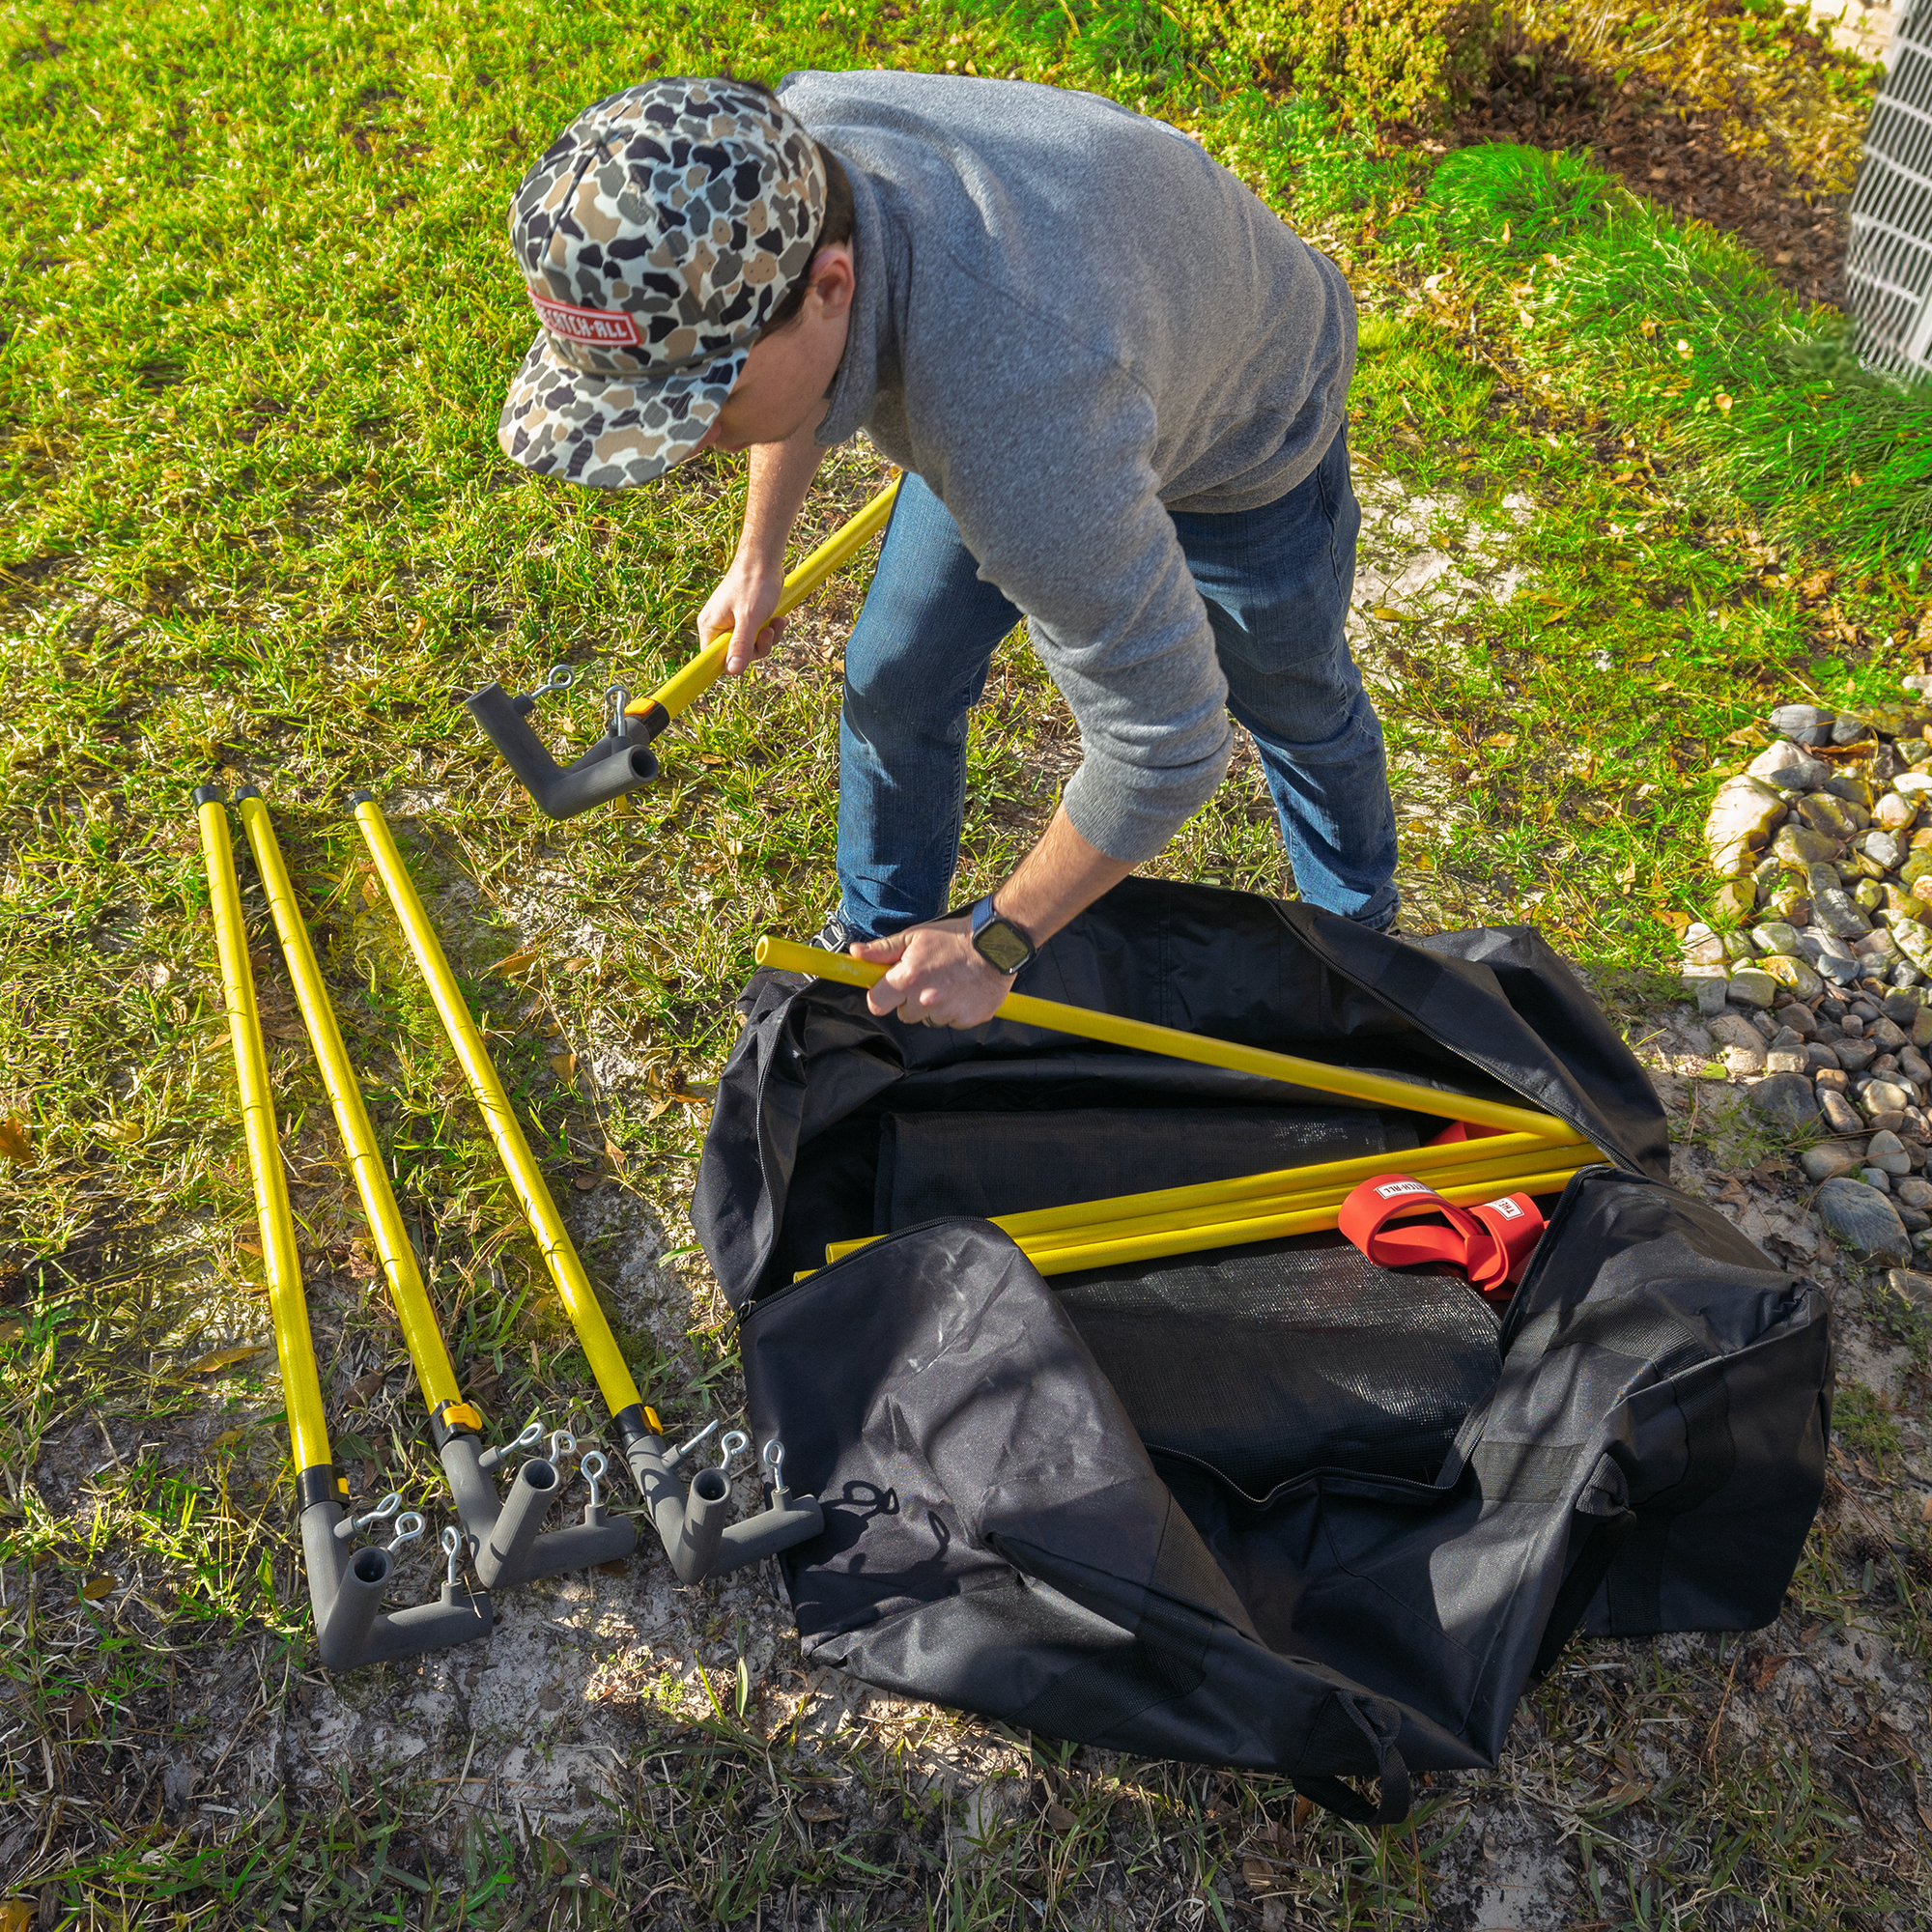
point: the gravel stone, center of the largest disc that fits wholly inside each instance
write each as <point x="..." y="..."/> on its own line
<point x="1818" y="1056"/>
<point x="1884" y="1096"/>
<point x="1914" y="1286"/>
<point x="1739" y="821"/>
<point x="1835" y="909"/>
<point x="1747" y="986"/>
<point x="1863" y="1220"/>
<point x="1798" y="846"/>
<point x="1774" y="936"/>
<point x="1840" y="1115"/>
<point x="1785" y="1101"/>
<point x="1789" y="767"/>
<point x="1876" y="1177"/>
<point x="1803" y="723"/>
<point x="1829" y="1159"/>
<point x="1913" y="1192"/>
<point x="1789" y="970"/>
<point x="1888" y="1150"/>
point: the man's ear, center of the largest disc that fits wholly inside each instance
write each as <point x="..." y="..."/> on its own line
<point x="833" y="280"/>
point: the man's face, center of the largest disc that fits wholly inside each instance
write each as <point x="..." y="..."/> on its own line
<point x="783" y="388"/>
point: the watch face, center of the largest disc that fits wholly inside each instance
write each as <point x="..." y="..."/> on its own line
<point x="1000" y="944"/>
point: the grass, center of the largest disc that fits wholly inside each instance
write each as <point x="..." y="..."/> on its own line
<point x="250" y="355"/>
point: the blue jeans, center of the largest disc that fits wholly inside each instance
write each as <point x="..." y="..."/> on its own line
<point x="1276" y="582"/>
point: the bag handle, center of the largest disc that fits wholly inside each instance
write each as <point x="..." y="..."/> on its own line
<point x="1381" y="1722"/>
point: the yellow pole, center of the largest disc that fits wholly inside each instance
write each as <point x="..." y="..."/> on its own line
<point x="694" y="679"/>
<point x="580" y="1298"/>
<point x="1263" y="1228"/>
<point x="1374" y="1090"/>
<point x="287" y="1310"/>
<point x="1103" y="1220"/>
<point x="435" y="1371"/>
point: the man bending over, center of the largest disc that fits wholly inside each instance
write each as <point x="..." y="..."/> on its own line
<point x="1117" y="384"/>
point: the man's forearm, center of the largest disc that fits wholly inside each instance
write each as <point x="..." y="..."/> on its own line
<point x="1058" y="880"/>
<point x="780" y="475"/>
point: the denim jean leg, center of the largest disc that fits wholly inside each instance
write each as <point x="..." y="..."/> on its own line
<point x="914" y="666"/>
<point x="1277" y="582"/>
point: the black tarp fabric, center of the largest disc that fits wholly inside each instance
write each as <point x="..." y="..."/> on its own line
<point x="1269" y="1507"/>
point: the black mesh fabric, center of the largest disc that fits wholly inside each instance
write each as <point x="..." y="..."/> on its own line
<point x="1010" y="1163"/>
<point x="1269" y="1361"/>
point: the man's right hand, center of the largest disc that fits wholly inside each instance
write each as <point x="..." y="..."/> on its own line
<point x="743" y="604"/>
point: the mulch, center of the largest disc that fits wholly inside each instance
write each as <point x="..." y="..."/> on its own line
<point x="1674" y="157"/>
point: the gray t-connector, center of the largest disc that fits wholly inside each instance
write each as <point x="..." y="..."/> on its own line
<point x="696" y="1536"/>
<point x="346" y="1588"/>
<point x="503" y="1536"/>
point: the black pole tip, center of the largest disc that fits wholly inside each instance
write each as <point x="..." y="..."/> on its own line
<point x="356" y="798"/>
<point x="247" y="791"/>
<point x="210" y="794"/>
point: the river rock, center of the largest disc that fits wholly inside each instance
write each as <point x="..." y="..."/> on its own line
<point x="1915" y="941"/>
<point x="1820" y="1057"/>
<point x="1914" y="784"/>
<point x="1774" y="936"/>
<point x="1827" y="1160"/>
<point x="1784" y="1100"/>
<point x="1863" y="1220"/>
<point x="1881" y="848"/>
<point x="1849" y="729"/>
<point x="1855" y="792"/>
<point x="1876" y="1177"/>
<point x="1739" y="818"/>
<point x="1883" y="1099"/>
<point x="1913" y="1065"/>
<point x="1888" y="1150"/>
<point x="1789" y="970"/>
<point x="1803" y="723"/>
<point x="1708" y="990"/>
<point x="1798" y="846"/>
<point x="1821" y="811"/>
<point x="1838" y="1112"/>
<point x="1789" y="767"/>
<point x="1886" y="1034"/>
<point x="1800" y="1018"/>
<point x="1913" y="1192"/>
<point x="1749" y="987"/>
<point x="1838" y="912"/>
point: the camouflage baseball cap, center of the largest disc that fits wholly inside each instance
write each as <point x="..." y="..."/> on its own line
<point x="657" y="233"/>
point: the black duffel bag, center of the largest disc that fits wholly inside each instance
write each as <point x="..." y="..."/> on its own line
<point x="1269" y="1507"/>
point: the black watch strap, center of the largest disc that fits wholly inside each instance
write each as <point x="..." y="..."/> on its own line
<point x="1002" y="944"/>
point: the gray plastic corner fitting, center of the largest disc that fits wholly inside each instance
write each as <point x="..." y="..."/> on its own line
<point x="694" y="1534"/>
<point x="346" y="1587"/>
<point x="505" y="1539"/>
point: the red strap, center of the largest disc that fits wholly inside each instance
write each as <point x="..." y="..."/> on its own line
<point x="1389" y="1197"/>
<point x="1491" y="1243"/>
<point x="1514" y="1226"/>
<point x="1462" y="1130"/>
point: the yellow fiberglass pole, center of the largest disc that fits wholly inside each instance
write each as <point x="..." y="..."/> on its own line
<point x="287" y="1310"/>
<point x="1238" y="1233"/>
<point x="580" y="1298"/>
<point x="1374" y="1090"/>
<point x="694" y="679"/>
<point x="435" y="1371"/>
<point x="1108" y="1219"/>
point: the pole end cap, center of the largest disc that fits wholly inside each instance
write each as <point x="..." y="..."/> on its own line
<point x="356" y="798"/>
<point x="247" y="791"/>
<point x="208" y="794"/>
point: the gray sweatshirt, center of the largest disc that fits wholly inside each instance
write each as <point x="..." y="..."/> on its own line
<point x="1070" y="321"/>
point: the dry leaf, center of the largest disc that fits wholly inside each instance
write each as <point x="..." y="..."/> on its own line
<point x="223" y="1358"/>
<point x="823" y="1814"/>
<point x="577" y="964"/>
<point x="99" y="1585"/>
<point x="516" y="964"/>
<point x="563" y="1065"/>
<point x="1722" y="403"/>
<point x="1503" y="740"/>
<point x="12" y="1327"/>
<point x="1059" y="1817"/>
<point x="248" y="1247"/>
<point x="614" y="1154"/>
<point x="711" y="759"/>
<point x="365" y="1389"/>
<point x="1390" y="615"/>
<point x="587" y="1181"/>
<point x="1257" y="1875"/>
<point x="16" y="1142"/>
<point x="227" y="1439"/>
<point x="1925" y="1510"/>
<point x="18" y="1915"/>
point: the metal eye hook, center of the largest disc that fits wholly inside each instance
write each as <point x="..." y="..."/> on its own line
<point x="562" y="1443"/>
<point x="452" y="1548"/>
<point x="559" y="678"/>
<point x="408" y="1526"/>
<point x="775" y="1459"/>
<point x="381" y="1513"/>
<point x="678" y="1455"/>
<point x="730" y="1447"/>
<point x="491" y="1458"/>
<point x="593" y="1467"/>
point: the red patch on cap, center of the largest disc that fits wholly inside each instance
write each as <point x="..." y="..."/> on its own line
<point x="598" y="327"/>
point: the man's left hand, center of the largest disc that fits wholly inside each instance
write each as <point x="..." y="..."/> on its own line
<point x="937" y="977"/>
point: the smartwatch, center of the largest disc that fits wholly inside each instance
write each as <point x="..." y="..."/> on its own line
<point x="998" y="941"/>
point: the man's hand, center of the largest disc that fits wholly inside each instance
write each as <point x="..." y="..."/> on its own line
<point x="937" y="977"/>
<point x="743" y="604"/>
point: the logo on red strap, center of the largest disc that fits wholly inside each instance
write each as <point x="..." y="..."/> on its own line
<point x="1395" y="1187"/>
<point x="1506" y="1208"/>
<point x="599" y="327"/>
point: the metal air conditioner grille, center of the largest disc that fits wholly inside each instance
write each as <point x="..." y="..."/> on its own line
<point x="1889" y="265"/>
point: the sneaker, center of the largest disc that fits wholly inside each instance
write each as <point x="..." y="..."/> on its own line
<point x="835" y="935"/>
